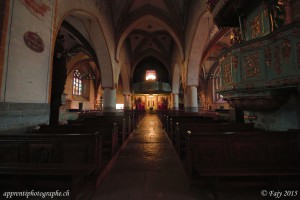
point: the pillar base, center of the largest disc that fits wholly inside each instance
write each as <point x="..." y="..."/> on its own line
<point x="109" y="110"/>
<point x="20" y="117"/>
<point x="191" y="109"/>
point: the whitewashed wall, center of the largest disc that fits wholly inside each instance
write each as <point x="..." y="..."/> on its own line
<point x="27" y="72"/>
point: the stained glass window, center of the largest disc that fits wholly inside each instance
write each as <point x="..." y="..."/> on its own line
<point x="150" y="75"/>
<point x="216" y="85"/>
<point x="77" y="83"/>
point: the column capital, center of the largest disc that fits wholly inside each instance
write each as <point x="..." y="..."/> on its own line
<point x="111" y="88"/>
<point x="191" y="85"/>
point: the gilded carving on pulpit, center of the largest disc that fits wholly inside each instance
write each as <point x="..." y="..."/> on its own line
<point x="256" y="26"/>
<point x="235" y="36"/>
<point x="268" y="56"/>
<point x="251" y="65"/>
<point x="277" y="60"/>
<point x="235" y="60"/>
<point x="286" y="49"/>
<point x="226" y="72"/>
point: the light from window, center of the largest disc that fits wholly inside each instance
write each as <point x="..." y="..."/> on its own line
<point x="150" y="75"/>
<point x="77" y="83"/>
<point x="119" y="106"/>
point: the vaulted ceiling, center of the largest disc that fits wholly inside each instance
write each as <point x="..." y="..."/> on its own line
<point x="155" y="29"/>
<point x="151" y="27"/>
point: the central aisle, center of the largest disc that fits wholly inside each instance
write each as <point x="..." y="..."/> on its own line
<point x="147" y="168"/>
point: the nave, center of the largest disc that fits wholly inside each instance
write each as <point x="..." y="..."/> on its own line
<point x="76" y="78"/>
<point x="150" y="162"/>
<point x="147" y="168"/>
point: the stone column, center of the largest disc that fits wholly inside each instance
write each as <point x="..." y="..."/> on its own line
<point x="175" y="102"/>
<point x="288" y="12"/>
<point x="295" y="10"/>
<point x="191" y="99"/>
<point x="59" y="78"/>
<point x="109" y="100"/>
<point x="127" y="101"/>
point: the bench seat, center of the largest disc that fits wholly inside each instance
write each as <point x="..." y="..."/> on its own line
<point x="47" y="169"/>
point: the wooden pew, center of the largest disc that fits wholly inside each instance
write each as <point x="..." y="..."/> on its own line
<point x="113" y="137"/>
<point x="173" y="127"/>
<point x="137" y="116"/>
<point x="199" y="128"/>
<point x="108" y="133"/>
<point x="247" y="154"/>
<point x="170" y="119"/>
<point x="27" y="158"/>
<point x="124" y="123"/>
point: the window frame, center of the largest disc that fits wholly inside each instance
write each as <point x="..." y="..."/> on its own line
<point x="216" y="83"/>
<point x="149" y="73"/>
<point x="77" y="83"/>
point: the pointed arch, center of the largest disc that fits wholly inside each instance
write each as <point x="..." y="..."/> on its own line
<point x="3" y="29"/>
<point x="148" y="53"/>
<point x="141" y="20"/>
<point x="176" y="79"/>
<point x="125" y="78"/>
<point x="96" y="38"/>
<point x="198" y="43"/>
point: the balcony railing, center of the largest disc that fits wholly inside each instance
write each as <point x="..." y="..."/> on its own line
<point x="151" y="87"/>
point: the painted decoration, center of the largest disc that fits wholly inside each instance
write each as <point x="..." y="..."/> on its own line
<point x="34" y="41"/>
<point x="37" y="7"/>
<point x="277" y="60"/>
<point x="256" y="26"/>
<point x="163" y="103"/>
<point x="226" y="72"/>
<point x="251" y="65"/>
<point x="139" y="102"/>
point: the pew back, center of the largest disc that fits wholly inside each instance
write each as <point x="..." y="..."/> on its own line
<point x="247" y="153"/>
<point x="50" y="148"/>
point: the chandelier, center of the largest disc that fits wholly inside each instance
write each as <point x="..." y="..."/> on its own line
<point x="88" y="76"/>
<point x="84" y="76"/>
<point x="84" y="72"/>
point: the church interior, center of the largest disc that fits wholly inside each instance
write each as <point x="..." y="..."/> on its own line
<point x="209" y="89"/>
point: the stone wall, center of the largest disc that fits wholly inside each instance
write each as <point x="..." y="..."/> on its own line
<point x="22" y="116"/>
<point x="286" y="117"/>
<point x="296" y="10"/>
<point x="4" y="14"/>
<point x="100" y="31"/>
<point x="28" y="53"/>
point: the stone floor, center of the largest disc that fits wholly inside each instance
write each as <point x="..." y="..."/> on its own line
<point x="148" y="168"/>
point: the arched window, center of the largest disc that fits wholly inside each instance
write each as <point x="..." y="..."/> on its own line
<point x="150" y="75"/>
<point x="216" y="84"/>
<point x="77" y="83"/>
